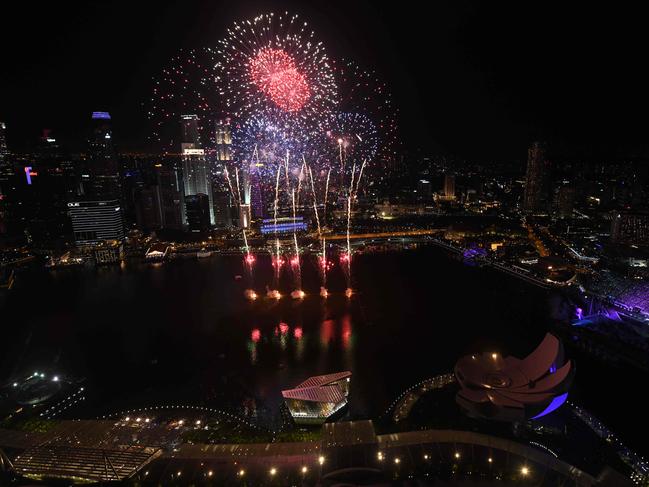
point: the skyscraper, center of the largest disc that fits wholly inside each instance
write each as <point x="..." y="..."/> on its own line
<point x="103" y="165"/>
<point x="257" y="203"/>
<point x="196" y="174"/>
<point x="171" y="197"/>
<point x="449" y="186"/>
<point x="3" y="142"/>
<point x="424" y="190"/>
<point x="536" y="182"/>
<point x="96" y="221"/>
<point x="223" y="203"/>
<point x="198" y="212"/>
<point x="223" y="140"/>
<point x="161" y="205"/>
<point x="565" y="201"/>
<point x="6" y="169"/>
<point x="630" y="227"/>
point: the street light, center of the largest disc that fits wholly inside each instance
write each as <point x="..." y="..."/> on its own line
<point x="321" y="459"/>
<point x="273" y="471"/>
<point x="525" y="471"/>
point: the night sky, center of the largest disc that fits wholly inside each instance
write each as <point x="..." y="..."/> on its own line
<point x="476" y="80"/>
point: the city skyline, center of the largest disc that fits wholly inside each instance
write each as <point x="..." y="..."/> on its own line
<point x="476" y="95"/>
<point x="323" y="244"/>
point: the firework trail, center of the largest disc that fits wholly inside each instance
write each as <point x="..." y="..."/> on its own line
<point x="236" y="174"/>
<point x="227" y="177"/>
<point x="277" y="260"/>
<point x="249" y="260"/>
<point x="322" y="260"/>
<point x="348" y="257"/>
<point x="315" y="200"/>
<point x="360" y="175"/>
<point x="295" y="261"/>
<point x="300" y="177"/>
<point x="326" y="196"/>
<point x="286" y="174"/>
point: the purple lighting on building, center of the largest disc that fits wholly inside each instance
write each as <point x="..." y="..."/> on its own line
<point x="556" y="403"/>
<point x="28" y="174"/>
<point x="100" y="116"/>
<point x="474" y="252"/>
<point x="580" y="313"/>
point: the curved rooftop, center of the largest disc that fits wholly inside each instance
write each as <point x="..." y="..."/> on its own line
<point x="512" y="389"/>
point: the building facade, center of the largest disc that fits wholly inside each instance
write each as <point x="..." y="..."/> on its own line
<point x="195" y="168"/>
<point x="103" y="178"/>
<point x="318" y="398"/>
<point x="630" y="228"/>
<point x="535" y="199"/>
<point x="96" y="221"/>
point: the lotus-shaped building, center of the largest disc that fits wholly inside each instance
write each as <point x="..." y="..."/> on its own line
<point x="512" y="389"/>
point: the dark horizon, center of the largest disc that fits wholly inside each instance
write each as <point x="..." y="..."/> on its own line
<point x="475" y="81"/>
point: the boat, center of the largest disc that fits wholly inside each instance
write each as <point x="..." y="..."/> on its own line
<point x="201" y="254"/>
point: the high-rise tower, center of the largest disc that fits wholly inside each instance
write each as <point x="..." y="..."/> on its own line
<point x="196" y="174"/>
<point x="449" y="186"/>
<point x="6" y="169"/>
<point x="223" y="139"/>
<point x="103" y="166"/>
<point x="536" y="182"/>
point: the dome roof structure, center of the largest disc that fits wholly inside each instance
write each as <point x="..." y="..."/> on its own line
<point x="512" y="389"/>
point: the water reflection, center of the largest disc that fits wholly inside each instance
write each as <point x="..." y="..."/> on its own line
<point x="299" y="343"/>
<point x="287" y="342"/>
<point x="326" y="333"/>
<point x="255" y="336"/>
<point x="347" y="337"/>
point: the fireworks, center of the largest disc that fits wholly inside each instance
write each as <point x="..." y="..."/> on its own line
<point x="307" y="132"/>
<point x="367" y="101"/>
<point x="274" y="64"/>
<point x="186" y="85"/>
<point x="275" y="74"/>
<point x="262" y="141"/>
<point x="355" y="134"/>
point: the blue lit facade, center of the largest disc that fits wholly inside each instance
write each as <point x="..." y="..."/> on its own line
<point x="283" y="225"/>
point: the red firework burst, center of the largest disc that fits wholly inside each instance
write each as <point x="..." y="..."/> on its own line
<point x="275" y="74"/>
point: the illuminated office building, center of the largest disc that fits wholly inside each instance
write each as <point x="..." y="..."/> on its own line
<point x="535" y="199"/>
<point x="96" y="221"/>
<point x="223" y="138"/>
<point x="630" y="227"/>
<point x="103" y="180"/>
<point x="198" y="212"/>
<point x="6" y="167"/>
<point x="449" y="186"/>
<point x="195" y="168"/>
